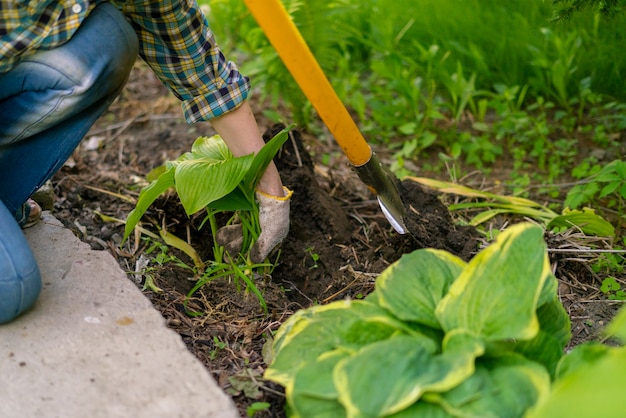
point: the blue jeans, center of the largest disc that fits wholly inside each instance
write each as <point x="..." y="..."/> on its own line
<point x="48" y="102"/>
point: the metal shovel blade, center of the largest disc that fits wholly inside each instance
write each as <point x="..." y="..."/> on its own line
<point x="383" y="183"/>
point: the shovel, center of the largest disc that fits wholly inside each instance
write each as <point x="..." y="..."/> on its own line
<point x="297" y="57"/>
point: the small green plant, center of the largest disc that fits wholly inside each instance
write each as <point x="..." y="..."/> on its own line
<point x="438" y="337"/>
<point x="556" y="65"/>
<point x="210" y="177"/>
<point x="252" y="410"/>
<point x="314" y="256"/>
<point x="608" y="184"/>
<point x="610" y="262"/>
<point x="219" y="345"/>
<point x="612" y="289"/>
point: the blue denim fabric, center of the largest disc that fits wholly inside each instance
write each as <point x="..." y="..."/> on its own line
<point x="20" y="281"/>
<point x="48" y="102"/>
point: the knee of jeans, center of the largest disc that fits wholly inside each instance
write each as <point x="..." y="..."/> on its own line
<point x="98" y="60"/>
<point x="20" y="285"/>
<point x="20" y="279"/>
<point x="121" y="53"/>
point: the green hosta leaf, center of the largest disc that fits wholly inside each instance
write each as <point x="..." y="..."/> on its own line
<point x="499" y="388"/>
<point x="233" y="201"/>
<point x="592" y="390"/>
<point x="264" y="157"/>
<point x="211" y="148"/>
<point x="549" y="291"/>
<point x="554" y="334"/>
<point x="422" y="409"/>
<point x="312" y="392"/>
<point x="617" y="327"/>
<point x="351" y="310"/>
<point x="312" y="407"/>
<point x="382" y="378"/>
<point x="156" y="172"/>
<point x="202" y="181"/>
<point x="582" y="356"/>
<point x="496" y="294"/>
<point x="347" y="325"/>
<point x="403" y="368"/>
<point x="412" y="287"/>
<point x="183" y="157"/>
<point x="460" y="348"/>
<point x="146" y="197"/>
<point x="586" y="220"/>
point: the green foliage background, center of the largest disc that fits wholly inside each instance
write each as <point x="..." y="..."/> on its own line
<point x="510" y="43"/>
<point x="464" y="83"/>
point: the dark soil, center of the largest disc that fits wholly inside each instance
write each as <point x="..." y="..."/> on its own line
<point x="339" y="240"/>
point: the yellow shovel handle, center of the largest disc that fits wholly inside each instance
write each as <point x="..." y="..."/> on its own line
<point x="297" y="57"/>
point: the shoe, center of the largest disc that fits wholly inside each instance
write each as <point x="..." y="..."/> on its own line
<point x="29" y="214"/>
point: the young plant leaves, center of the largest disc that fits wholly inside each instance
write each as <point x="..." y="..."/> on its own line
<point x="147" y="196"/>
<point x="210" y="148"/>
<point x="202" y="181"/>
<point x="264" y="157"/>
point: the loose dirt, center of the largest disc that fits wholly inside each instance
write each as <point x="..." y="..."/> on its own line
<point x="339" y="240"/>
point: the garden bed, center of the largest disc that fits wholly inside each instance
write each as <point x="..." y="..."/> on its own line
<point x="338" y="243"/>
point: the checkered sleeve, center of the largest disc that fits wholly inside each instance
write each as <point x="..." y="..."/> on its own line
<point x="177" y="43"/>
<point x="28" y="26"/>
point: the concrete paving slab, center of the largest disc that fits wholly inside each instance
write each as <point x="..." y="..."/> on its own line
<point x="94" y="346"/>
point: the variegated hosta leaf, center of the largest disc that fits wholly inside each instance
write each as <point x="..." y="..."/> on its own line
<point x="412" y="287"/>
<point x="496" y="295"/>
<point x="617" y="327"/>
<point x="586" y="220"/>
<point x="503" y="387"/>
<point x="422" y="409"/>
<point x="345" y="324"/>
<point x="388" y="376"/>
<point x="591" y="389"/>
<point x="312" y="392"/>
<point x="554" y="334"/>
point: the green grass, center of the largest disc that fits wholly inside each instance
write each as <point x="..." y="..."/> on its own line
<point x="512" y="43"/>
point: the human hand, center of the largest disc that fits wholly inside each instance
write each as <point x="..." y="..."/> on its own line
<point x="274" y="222"/>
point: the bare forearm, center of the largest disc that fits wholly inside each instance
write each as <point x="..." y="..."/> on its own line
<point x="240" y="132"/>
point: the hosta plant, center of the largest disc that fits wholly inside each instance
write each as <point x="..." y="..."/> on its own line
<point x="590" y="379"/>
<point x="438" y="337"/>
<point x="210" y="178"/>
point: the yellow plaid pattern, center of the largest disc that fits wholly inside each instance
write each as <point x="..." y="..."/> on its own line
<point x="174" y="39"/>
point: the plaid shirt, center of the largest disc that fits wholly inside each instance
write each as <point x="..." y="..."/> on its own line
<point x="174" y="39"/>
